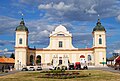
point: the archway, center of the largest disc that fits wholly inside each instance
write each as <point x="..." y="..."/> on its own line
<point x="38" y="60"/>
<point x="31" y="60"/>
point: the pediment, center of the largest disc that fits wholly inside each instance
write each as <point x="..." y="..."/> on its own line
<point x="60" y="33"/>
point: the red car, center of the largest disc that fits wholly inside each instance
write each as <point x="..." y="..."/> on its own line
<point x="77" y="65"/>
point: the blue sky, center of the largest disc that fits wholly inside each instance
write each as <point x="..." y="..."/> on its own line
<point x="42" y="16"/>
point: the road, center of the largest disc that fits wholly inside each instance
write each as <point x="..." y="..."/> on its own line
<point x="90" y="68"/>
<point x="105" y="69"/>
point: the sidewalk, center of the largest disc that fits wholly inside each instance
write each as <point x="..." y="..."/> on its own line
<point x="9" y="72"/>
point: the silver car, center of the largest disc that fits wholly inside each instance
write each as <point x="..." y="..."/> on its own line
<point x="31" y="69"/>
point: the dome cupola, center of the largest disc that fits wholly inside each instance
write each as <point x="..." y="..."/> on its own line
<point x="98" y="26"/>
<point x="22" y="26"/>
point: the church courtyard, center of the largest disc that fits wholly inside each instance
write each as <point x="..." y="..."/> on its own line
<point x="92" y="75"/>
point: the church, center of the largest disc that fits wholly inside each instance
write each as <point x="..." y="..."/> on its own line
<point x="60" y="50"/>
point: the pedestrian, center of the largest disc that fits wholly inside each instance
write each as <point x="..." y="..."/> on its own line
<point x="2" y="68"/>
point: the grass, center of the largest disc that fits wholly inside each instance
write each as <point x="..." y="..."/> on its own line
<point x="94" y="75"/>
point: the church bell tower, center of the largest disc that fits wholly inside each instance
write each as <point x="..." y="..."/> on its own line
<point x="21" y="45"/>
<point x="99" y="44"/>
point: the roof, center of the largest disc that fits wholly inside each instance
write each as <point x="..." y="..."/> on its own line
<point x="82" y="56"/>
<point x="60" y="31"/>
<point x="111" y="58"/>
<point x="22" y="26"/>
<point x="7" y="60"/>
<point x="81" y="49"/>
<point x="99" y="27"/>
<point x="60" y="28"/>
<point x="117" y="59"/>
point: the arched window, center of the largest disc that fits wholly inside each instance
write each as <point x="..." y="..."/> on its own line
<point x="31" y="60"/>
<point x="20" y="41"/>
<point x="100" y="40"/>
<point x="89" y="58"/>
<point x="38" y="61"/>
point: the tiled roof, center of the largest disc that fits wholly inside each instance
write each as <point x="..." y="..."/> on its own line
<point x="7" y="60"/>
<point x="117" y="59"/>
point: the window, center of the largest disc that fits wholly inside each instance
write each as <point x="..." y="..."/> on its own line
<point x="20" y="41"/>
<point x="89" y="58"/>
<point x="38" y="61"/>
<point x="60" y="35"/>
<point x="100" y="40"/>
<point x="60" y="44"/>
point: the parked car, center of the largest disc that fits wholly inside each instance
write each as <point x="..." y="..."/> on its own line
<point x="64" y="67"/>
<point x="57" y="68"/>
<point x="60" y="67"/>
<point x="39" y="68"/>
<point x="31" y="69"/>
<point x="51" y="68"/>
<point x="71" y="66"/>
<point x="24" y="69"/>
<point x="77" y="65"/>
<point x="85" y="67"/>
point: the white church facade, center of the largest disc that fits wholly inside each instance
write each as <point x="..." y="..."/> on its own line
<point x="60" y="50"/>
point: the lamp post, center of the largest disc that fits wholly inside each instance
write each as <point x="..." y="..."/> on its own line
<point x="18" y="64"/>
<point x="103" y="61"/>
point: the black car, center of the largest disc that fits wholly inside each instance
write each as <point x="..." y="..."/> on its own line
<point x="39" y="68"/>
<point x="24" y="69"/>
<point x="85" y="67"/>
<point x="71" y="67"/>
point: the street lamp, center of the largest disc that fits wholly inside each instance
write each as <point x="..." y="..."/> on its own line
<point x="103" y="61"/>
<point x="18" y="64"/>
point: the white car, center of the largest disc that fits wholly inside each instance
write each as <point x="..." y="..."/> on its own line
<point x="51" y="68"/>
<point x="31" y="69"/>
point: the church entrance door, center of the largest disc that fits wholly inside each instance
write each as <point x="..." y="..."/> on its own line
<point x="60" y="62"/>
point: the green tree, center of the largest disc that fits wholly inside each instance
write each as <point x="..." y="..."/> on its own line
<point x="12" y="56"/>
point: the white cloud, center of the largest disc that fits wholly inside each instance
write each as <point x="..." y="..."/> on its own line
<point x="91" y="10"/>
<point x="60" y="6"/>
<point x="8" y="24"/>
<point x="117" y="51"/>
<point x="81" y="9"/>
<point x="118" y="17"/>
<point x="47" y="6"/>
<point x="6" y="42"/>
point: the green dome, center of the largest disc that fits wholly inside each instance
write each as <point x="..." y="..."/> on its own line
<point x="22" y="26"/>
<point x="99" y="27"/>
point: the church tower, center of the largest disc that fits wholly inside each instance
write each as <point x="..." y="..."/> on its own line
<point x="99" y="44"/>
<point x="21" y="45"/>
